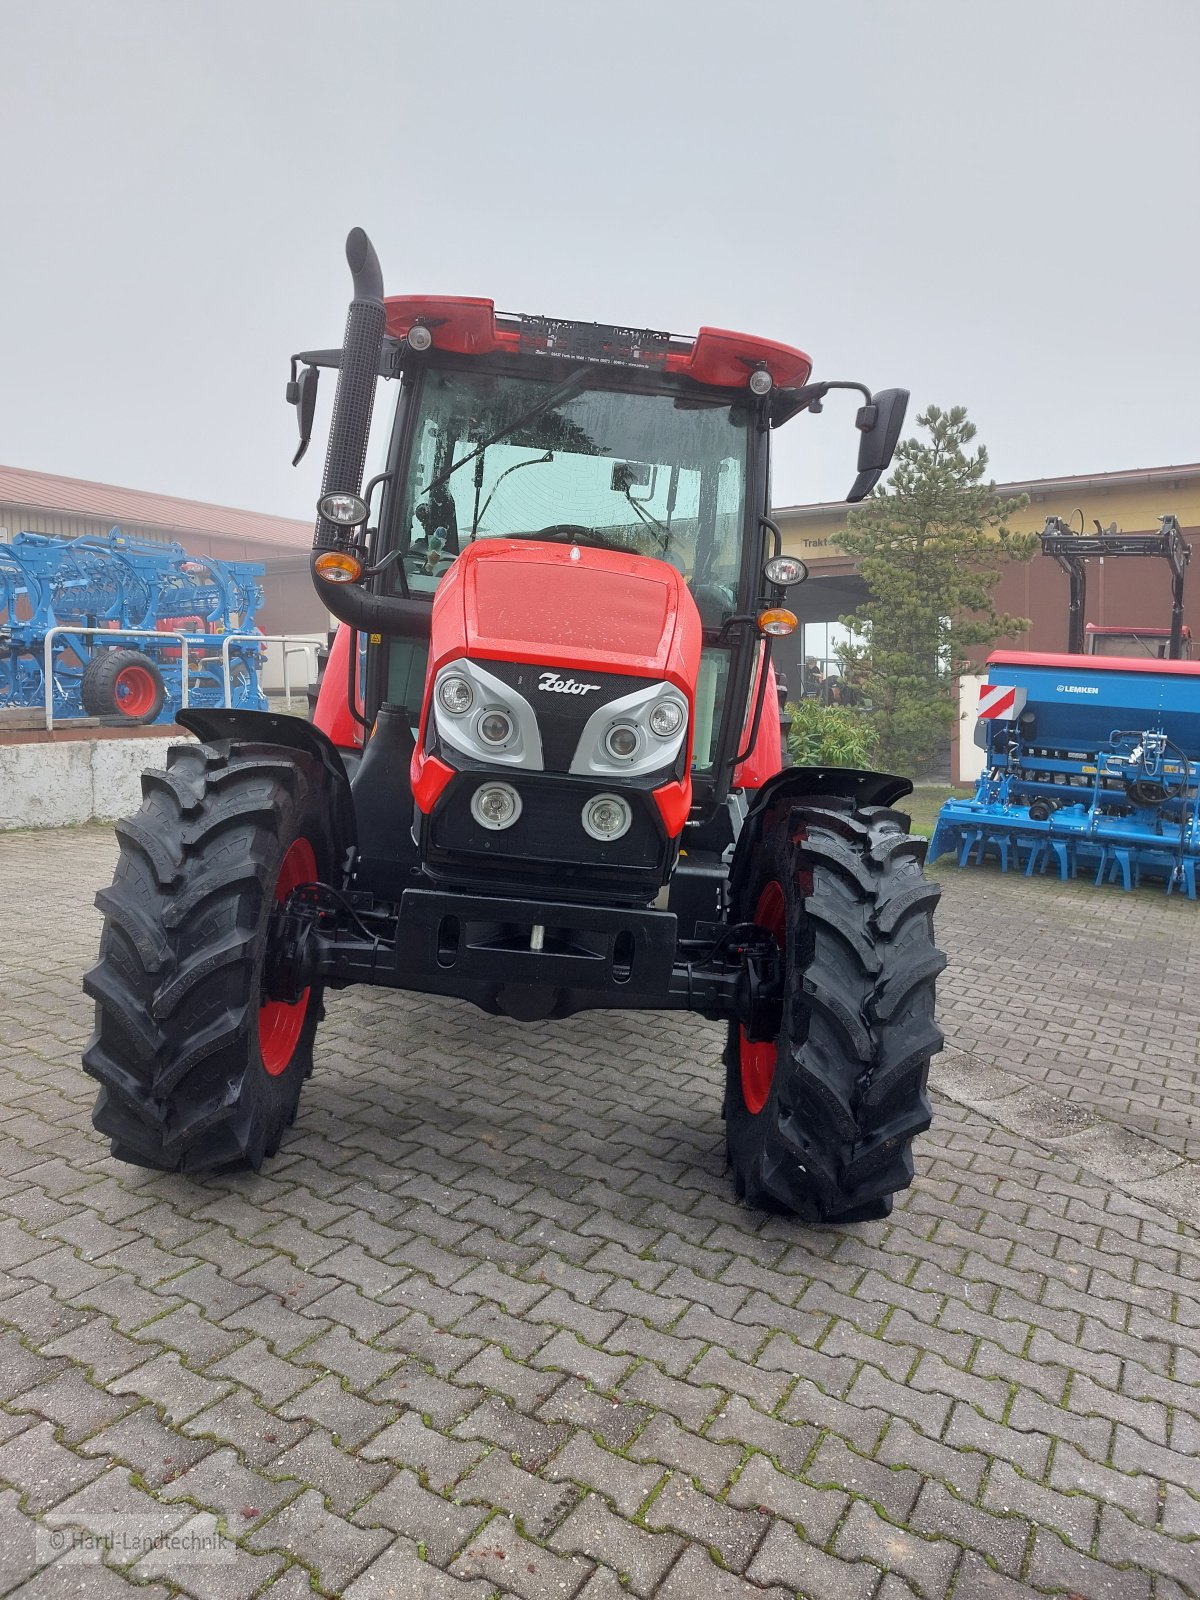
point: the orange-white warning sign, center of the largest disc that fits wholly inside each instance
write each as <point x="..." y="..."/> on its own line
<point x="999" y="702"/>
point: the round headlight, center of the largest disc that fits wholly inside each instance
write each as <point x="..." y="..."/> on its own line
<point x="496" y="805"/>
<point x="347" y="510"/>
<point x="495" y="727"/>
<point x="621" y="741"/>
<point x="455" y="695"/>
<point x="667" y="718"/>
<point x="785" y="571"/>
<point x="606" y="816"/>
<point x="419" y="337"/>
<point x="761" y="381"/>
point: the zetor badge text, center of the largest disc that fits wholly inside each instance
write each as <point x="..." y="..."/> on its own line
<point x="551" y="683"/>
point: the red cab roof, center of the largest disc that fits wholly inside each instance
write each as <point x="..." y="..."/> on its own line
<point x="715" y="356"/>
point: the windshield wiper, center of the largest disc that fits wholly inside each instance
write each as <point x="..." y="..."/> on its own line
<point x="546" y="403"/>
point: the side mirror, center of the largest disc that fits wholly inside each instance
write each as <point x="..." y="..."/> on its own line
<point x="880" y="423"/>
<point x="303" y="395"/>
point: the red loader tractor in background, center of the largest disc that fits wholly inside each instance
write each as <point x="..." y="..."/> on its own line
<point x="545" y="770"/>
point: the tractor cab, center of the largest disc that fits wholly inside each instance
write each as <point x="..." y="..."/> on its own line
<point x="1136" y="644"/>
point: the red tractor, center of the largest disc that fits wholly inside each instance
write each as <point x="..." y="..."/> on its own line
<point x="540" y="777"/>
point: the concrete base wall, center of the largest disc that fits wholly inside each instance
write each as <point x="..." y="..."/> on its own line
<point x="53" y="785"/>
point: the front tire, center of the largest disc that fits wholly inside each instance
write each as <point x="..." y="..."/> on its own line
<point x="199" y="1069"/>
<point x="820" y="1122"/>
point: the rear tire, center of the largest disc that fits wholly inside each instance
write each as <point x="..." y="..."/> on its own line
<point x="198" y="1071"/>
<point x="124" y="684"/>
<point x="824" y="1130"/>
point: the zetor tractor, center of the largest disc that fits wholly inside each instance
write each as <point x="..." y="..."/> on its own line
<point x="543" y="776"/>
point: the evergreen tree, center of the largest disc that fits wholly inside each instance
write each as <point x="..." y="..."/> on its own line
<point x="931" y="545"/>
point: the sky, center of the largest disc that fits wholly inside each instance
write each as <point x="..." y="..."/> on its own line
<point x="989" y="202"/>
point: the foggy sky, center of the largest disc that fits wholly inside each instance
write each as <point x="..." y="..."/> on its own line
<point x="992" y="204"/>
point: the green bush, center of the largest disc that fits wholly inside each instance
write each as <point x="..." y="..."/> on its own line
<point x="830" y="736"/>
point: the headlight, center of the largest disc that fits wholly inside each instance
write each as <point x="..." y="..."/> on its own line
<point x="667" y="718"/>
<point x="480" y="716"/>
<point x="638" y="733"/>
<point x="347" y="510"/>
<point x="455" y="695"/>
<point x="785" y="571"/>
<point x="606" y="816"/>
<point x="621" y="741"/>
<point x="495" y="727"/>
<point x="496" y="805"/>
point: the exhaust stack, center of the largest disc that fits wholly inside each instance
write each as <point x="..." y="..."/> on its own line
<point x="354" y="398"/>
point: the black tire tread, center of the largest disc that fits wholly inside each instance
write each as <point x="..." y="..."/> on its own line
<point x="834" y="1140"/>
<point x="175" y="1046"/>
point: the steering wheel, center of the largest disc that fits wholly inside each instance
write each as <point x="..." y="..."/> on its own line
<point x="563" y="533"/>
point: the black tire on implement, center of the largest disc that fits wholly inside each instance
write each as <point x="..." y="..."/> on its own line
<point x="194" y="1076"/>
<point x="122" y="684"/>
<point x="828" y="1136"/>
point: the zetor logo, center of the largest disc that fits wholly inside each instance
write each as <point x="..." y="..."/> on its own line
<point x="1076" y="688"/>
<point x="551" y="683"/>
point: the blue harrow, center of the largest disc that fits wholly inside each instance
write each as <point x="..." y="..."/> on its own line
<point x="1092" y="766"/>
<point x="93" y="588"/>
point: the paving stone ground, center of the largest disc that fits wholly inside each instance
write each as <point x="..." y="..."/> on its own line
<point x="492" y="1325"/>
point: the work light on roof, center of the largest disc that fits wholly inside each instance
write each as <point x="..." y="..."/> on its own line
<point x="419" y="337"/>
<point x="761" y="381"/>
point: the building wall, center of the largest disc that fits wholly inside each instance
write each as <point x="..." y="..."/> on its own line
<point x="1127" y="591"/>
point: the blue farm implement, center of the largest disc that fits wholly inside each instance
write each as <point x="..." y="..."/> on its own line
<point x="1092" y="765"/>
<point x="91" y="611"/>
<point x="1092" y="759"/>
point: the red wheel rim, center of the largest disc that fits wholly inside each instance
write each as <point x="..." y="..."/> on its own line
<point x="135" y="690"/>
<point x="758" y="1060"/>
<point x="280" y="1024"/>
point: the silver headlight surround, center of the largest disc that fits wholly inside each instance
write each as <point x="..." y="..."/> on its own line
<point x="594" y="758"/>
<point x="460" y="731"/>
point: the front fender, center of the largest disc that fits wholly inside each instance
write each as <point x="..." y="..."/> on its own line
<point x="215" y="724"/>
<point x="794" y="784"/>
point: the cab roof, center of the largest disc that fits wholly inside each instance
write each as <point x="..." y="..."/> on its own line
<point x="717" y="357"/>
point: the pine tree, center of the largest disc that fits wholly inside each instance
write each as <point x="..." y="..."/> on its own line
<point x="931" y="545"/>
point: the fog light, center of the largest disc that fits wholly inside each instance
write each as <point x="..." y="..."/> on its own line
<point x="621" y="741"/>
<point x="496" y="806"/>
<point x="667" y="718"/>
<point x="495" y="727"/>
<point x="347" y="510"/>
<point x="455" y="695"/>
<point x="606" y="816"/>
<point x="778" y="620"/>
<point x="338" y="566"/>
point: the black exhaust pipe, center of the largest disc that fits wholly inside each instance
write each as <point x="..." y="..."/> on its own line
<point x="354" y="398"/>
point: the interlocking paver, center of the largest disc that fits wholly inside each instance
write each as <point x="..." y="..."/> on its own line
<point x="996" y="1387"/>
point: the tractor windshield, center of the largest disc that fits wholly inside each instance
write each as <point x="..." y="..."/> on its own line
<point x="656" y="475"/>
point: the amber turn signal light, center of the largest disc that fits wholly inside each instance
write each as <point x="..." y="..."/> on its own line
<point x="338" y="566"/>
<point x="777" y="620"/>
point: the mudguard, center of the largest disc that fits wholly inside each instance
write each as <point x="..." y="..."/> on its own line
<point x="795" y="783"/>
<point x="215" y="723"/>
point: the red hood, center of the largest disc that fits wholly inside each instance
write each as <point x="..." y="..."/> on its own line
<point x="567" y="606"/>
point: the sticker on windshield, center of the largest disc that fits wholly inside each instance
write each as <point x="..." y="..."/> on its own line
<point x="593" y="341"/>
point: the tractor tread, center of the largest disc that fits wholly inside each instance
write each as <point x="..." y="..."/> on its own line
<point x="177" y="984"/>
<point x="834" y="1141"/>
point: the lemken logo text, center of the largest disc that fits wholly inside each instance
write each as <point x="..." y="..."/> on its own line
<point x="1077" y="688"/>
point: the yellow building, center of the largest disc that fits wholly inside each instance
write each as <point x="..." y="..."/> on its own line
<point x="1130" y="592"/>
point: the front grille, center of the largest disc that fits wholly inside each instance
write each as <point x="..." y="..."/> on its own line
<point x="550" y="827"/>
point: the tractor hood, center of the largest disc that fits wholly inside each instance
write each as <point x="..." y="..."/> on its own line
<point x="568" y="606"/>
